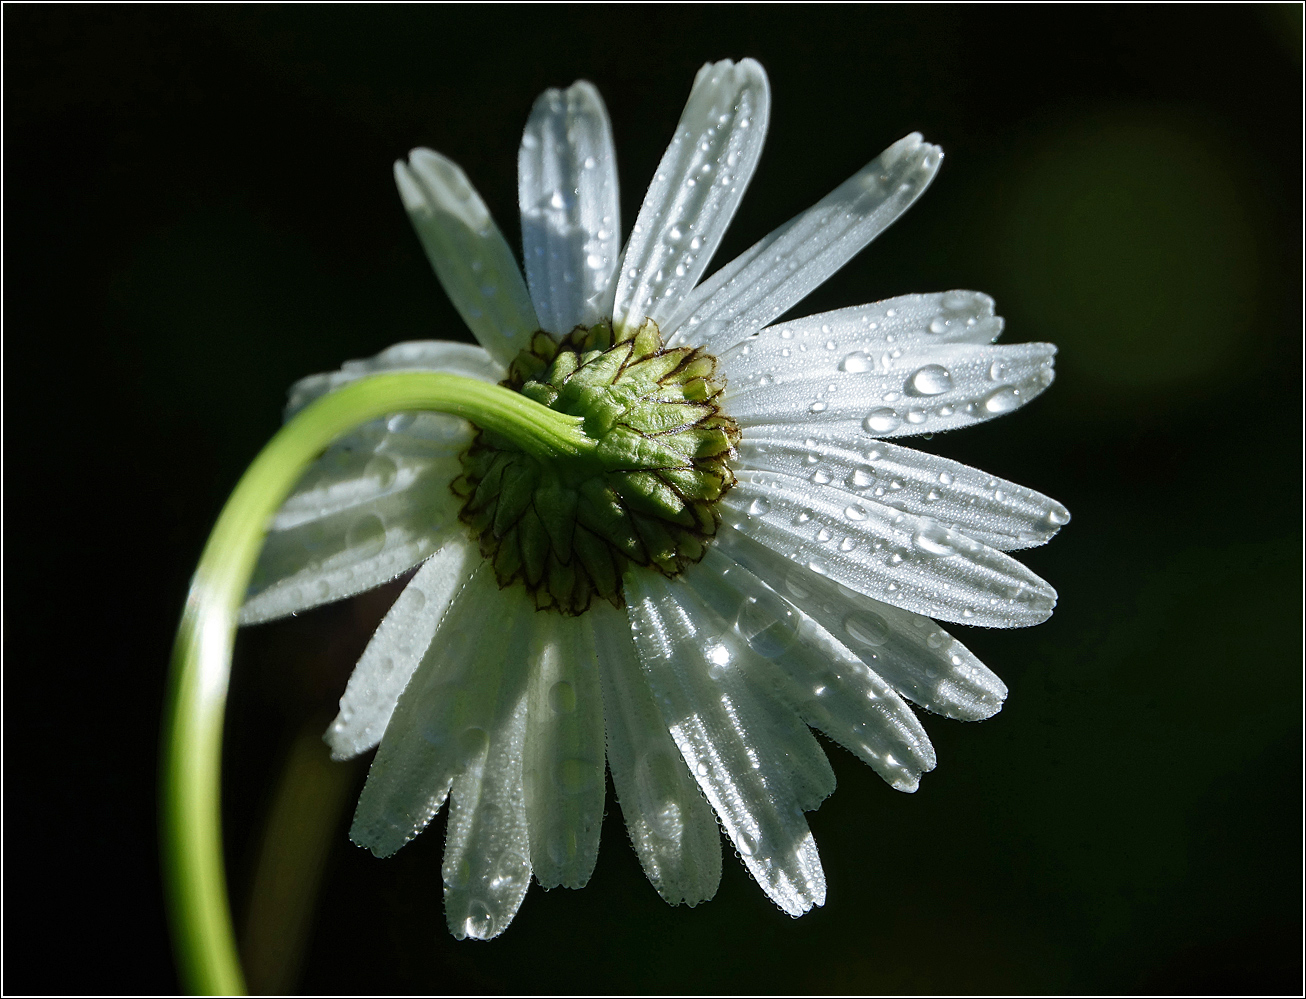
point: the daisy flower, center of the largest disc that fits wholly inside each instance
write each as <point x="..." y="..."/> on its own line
<point x="746" y="554"/>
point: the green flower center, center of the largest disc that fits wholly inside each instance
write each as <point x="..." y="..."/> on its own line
<point x="568" y="528"/>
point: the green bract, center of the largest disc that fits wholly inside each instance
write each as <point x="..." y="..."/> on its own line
<point x="567" y="527"/>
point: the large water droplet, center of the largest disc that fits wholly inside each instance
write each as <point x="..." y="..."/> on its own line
<point x="933" y="379"/>
<point x="383" y="470"/>
<point x="933" y="539"/>
<point x="867" y="628"/>
<point x="857" y="362"/>
<point x="562" y="697"/>
<point x="759" y="508"/>
<point x="880" y="421"/>
<point x="768" y="624"/>
<point x="366" y="536"/>
<point x="1004" y="400"/>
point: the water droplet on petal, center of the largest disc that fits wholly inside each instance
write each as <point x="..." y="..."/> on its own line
<point x="933" y="539"/>
<point x="1004" y="400"/>
<point x="759" y="507"/>
<point x="867" y="628"/>
<point x="933" y="379"/>
<point x="857" y="362"/>
<point x="880" y="421"/>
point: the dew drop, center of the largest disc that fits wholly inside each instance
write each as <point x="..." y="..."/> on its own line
<point x="562" y="697"/>
<point x="854" y="513"/>
<point x="998" y="370"/>
<point x="945" y="478"/>
<point x="933" y="539"/>
<point x="861" y="478"/>
<point x="933" y="379"/>
<point x="767" y="624"/>
<point x="1004" y="400"/>
<point x="759" y="507"/>
<point x="817" y="407"/>
<point x="916" y="416"/>
<point x="383" y="470"/>
<point x="866" y="628"/>
<point x="880" y="421"/>
<point x="938" y="325"/>
<point x="857" y="362"/>
<point x="366" y="536"/>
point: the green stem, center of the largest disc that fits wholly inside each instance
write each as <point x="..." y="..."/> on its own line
<point x="201" y="659"/>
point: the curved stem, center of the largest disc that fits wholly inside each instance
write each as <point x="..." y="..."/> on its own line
<point x="195" y="879"/>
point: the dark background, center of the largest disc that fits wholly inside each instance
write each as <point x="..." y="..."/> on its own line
<point x="198" y="209"/>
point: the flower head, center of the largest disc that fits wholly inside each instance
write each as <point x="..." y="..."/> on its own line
<point x="743" y="555"/>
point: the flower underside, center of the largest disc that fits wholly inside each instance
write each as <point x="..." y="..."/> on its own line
<point x="568" y="528"/>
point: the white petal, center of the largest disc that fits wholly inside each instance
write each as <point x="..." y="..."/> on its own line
<point x="357" y="520"/>
<point x="864" y="335"/>
<point x="752" y="756"/>
<point x="695" y="192"/>
<point x="413" y="355"/>
<point x="910" y="562"/>
<point x="829" y="686"/>
<point x="486" y="870"/>
<point x="567" y="190"/>
<point x="671" y="826"/>
<point x="922" y="391"/>
<point x="563" y="769"/>
<point x="397" y="647"/>
<point x="782" y="268"/>
<point x="992" y="511"/>
<point x="468" y="252"/>
<point x="464" y="687"/>
<point x="918" y="658"/>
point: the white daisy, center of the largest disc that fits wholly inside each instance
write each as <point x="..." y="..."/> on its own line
<point x="754" y="556"/>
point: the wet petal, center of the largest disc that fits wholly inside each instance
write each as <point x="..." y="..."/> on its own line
<point x="468" y="252"/>
<point x="911" y="652"/>
<point x="919" y="392"/>
<point x="486" y="870"/>
<point x="865" y="334"/>
<point x="695" y="192"/>
<point x="671" y="826"/>
<point x="910" y="562"/>
<point x="571" y="226"/>
<point x="463" y="690"/>
<point x="357" y="520"/>
<point x="396" y="649"/>
<point x="831" y="688"/>
<point x="781" y="269"/>
<point x="756" y="762"/>
<point x="992" y="511"/>
<point x="413" y="355"/>
<point x="564" y="753"/>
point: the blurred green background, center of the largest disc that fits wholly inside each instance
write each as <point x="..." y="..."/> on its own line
<point x="198" y="210"/>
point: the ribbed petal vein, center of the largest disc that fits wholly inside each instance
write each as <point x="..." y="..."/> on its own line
<point x="755" y="760"/>
<point x="671" y="825"/>
<point x="468" y="252"/>
<point x="830" y="687"/>
<point x="567" y="190"/>
<point x="695" y="192"/>
<point x="398" y="646"/>
<point x="992" y="511"/>
<point x="781" y="269"/>
<point x="564" y="754"/>
<point x="911" y="562"/>
<point x="920" y="660"/>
